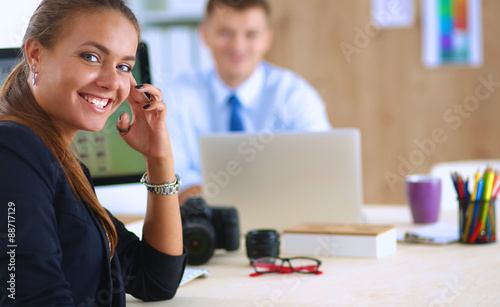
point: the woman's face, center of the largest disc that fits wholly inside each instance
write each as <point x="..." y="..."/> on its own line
<point x="84" y="78"/>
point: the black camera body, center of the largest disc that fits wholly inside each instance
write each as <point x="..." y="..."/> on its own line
<point x="206" y="228"/>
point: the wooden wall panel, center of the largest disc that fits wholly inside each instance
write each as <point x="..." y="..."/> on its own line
<point x="386" y="92"/>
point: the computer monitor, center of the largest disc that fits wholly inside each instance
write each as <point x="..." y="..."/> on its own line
<point x="108" y="158"/>
<point x="9" y="58"/>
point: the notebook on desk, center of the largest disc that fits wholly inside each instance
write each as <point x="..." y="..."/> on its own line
<point x="277" y="180"/>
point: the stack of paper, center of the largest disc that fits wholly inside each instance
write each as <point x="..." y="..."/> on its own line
<point x="438" y="233"/>
<point x="192" y="273"/>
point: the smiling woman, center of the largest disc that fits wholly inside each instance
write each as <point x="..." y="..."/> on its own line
<point x="93" y="77"/>
<point x="75" y="72"/>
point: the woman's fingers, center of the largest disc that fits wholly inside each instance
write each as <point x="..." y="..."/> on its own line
<point x="123" y="124"/>
<point x="138" y="93"/>
<point x="155" y="106"/>
<point x="148" y="108"/>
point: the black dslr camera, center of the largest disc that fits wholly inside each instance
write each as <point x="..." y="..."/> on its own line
<point x="206" y="228"/>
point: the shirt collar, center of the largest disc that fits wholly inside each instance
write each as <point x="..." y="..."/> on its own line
<point x="247" y="92"/>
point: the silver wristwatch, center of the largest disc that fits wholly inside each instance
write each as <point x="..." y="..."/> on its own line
<point x="168" y="188"/>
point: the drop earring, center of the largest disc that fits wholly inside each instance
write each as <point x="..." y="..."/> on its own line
<point x="35" y="75"/>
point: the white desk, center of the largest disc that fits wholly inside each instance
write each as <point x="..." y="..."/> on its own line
<point x="416" y="275"/>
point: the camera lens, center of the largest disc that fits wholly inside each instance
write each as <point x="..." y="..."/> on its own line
<point x="262" y="243"/>
<point x="199" y="240"/>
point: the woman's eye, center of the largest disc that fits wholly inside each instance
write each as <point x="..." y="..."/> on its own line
<point x="125" y="68"/>
<point x="90" y="57"/>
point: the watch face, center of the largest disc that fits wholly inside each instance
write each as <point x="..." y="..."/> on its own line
<point x="168" y="188"/>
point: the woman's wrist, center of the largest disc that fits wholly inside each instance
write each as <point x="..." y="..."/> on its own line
<point x="160" y="171"/>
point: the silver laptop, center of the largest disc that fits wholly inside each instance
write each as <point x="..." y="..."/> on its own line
<point x="278" y="180"/>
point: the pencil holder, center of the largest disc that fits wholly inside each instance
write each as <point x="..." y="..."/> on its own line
<point x="477" y="221"/>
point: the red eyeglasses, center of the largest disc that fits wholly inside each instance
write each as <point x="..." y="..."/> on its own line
<point x="303" y="265"/>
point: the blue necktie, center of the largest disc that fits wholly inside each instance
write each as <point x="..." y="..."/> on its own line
<point x="235" y="120"/>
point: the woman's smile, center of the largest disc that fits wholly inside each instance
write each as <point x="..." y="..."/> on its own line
<point x="99" y="102"/>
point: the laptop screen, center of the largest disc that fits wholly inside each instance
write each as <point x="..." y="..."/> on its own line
<point x="279" y="180"/>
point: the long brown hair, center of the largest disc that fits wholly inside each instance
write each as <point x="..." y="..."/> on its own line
<point x="17" y="103"/>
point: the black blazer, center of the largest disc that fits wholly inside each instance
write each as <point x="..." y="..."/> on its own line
<point x="53" y="250"/>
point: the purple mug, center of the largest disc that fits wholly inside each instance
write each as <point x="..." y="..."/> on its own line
<point x="424" y="197"/>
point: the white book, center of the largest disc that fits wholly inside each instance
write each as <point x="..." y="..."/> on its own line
<point x="344" y="240"/>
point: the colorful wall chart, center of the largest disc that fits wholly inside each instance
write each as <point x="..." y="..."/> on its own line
<point x="452" y="33"/>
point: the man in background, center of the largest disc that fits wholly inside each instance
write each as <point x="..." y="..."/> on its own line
<point x="241" y="93"/>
